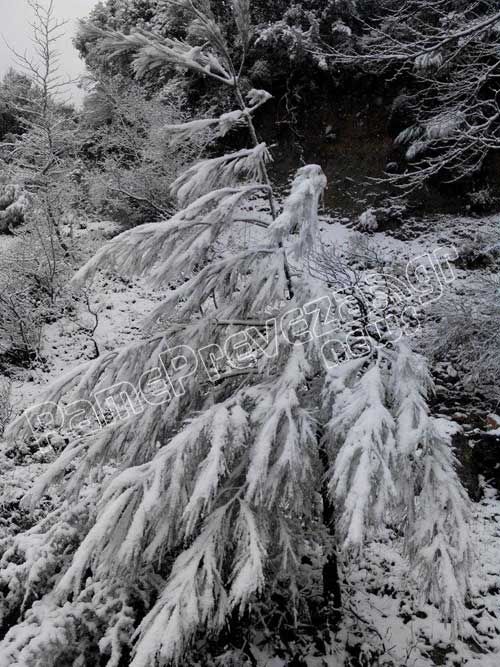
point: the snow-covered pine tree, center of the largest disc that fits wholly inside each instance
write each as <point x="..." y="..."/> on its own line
<point x="181" y="516"/>
<point x="436" y="507"/>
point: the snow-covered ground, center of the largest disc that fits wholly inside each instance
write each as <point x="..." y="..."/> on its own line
<point x="122" y="304"/>
<point x="405" y="630"/>
<point x="410" y="630"/>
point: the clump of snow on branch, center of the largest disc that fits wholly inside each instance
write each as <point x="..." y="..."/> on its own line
<point x="300" y="209"/>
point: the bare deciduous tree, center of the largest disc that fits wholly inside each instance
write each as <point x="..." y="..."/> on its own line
<point x="42" y="157"/>
<point x="6" y="409"/>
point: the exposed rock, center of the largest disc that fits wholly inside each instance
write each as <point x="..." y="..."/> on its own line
<point x="485" y="458"/>
<point x="493" y="421"/>
<point x="469" y="469"/>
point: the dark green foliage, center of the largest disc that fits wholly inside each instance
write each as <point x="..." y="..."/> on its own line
<point x="16" y="91"/>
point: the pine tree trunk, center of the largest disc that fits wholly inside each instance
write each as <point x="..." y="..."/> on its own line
<point x="332" y="593"/>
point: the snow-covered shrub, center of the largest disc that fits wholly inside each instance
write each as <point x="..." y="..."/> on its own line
<point x="21" y="320"/>
<point x="33" y="275"/>
<point x="467" y="330"/>
<point x="361" y="252"/>
<point x="481" y="201"/>
<point x="367" y="221"/>
<point x="14" y="202"/>
<point x="385" y="215"/>
<point x="479" y="252"/>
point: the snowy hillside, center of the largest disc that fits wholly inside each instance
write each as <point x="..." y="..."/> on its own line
<point x="250" y="336"/>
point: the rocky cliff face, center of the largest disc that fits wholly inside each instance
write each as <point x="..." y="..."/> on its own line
<point x="350" y="133"/>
